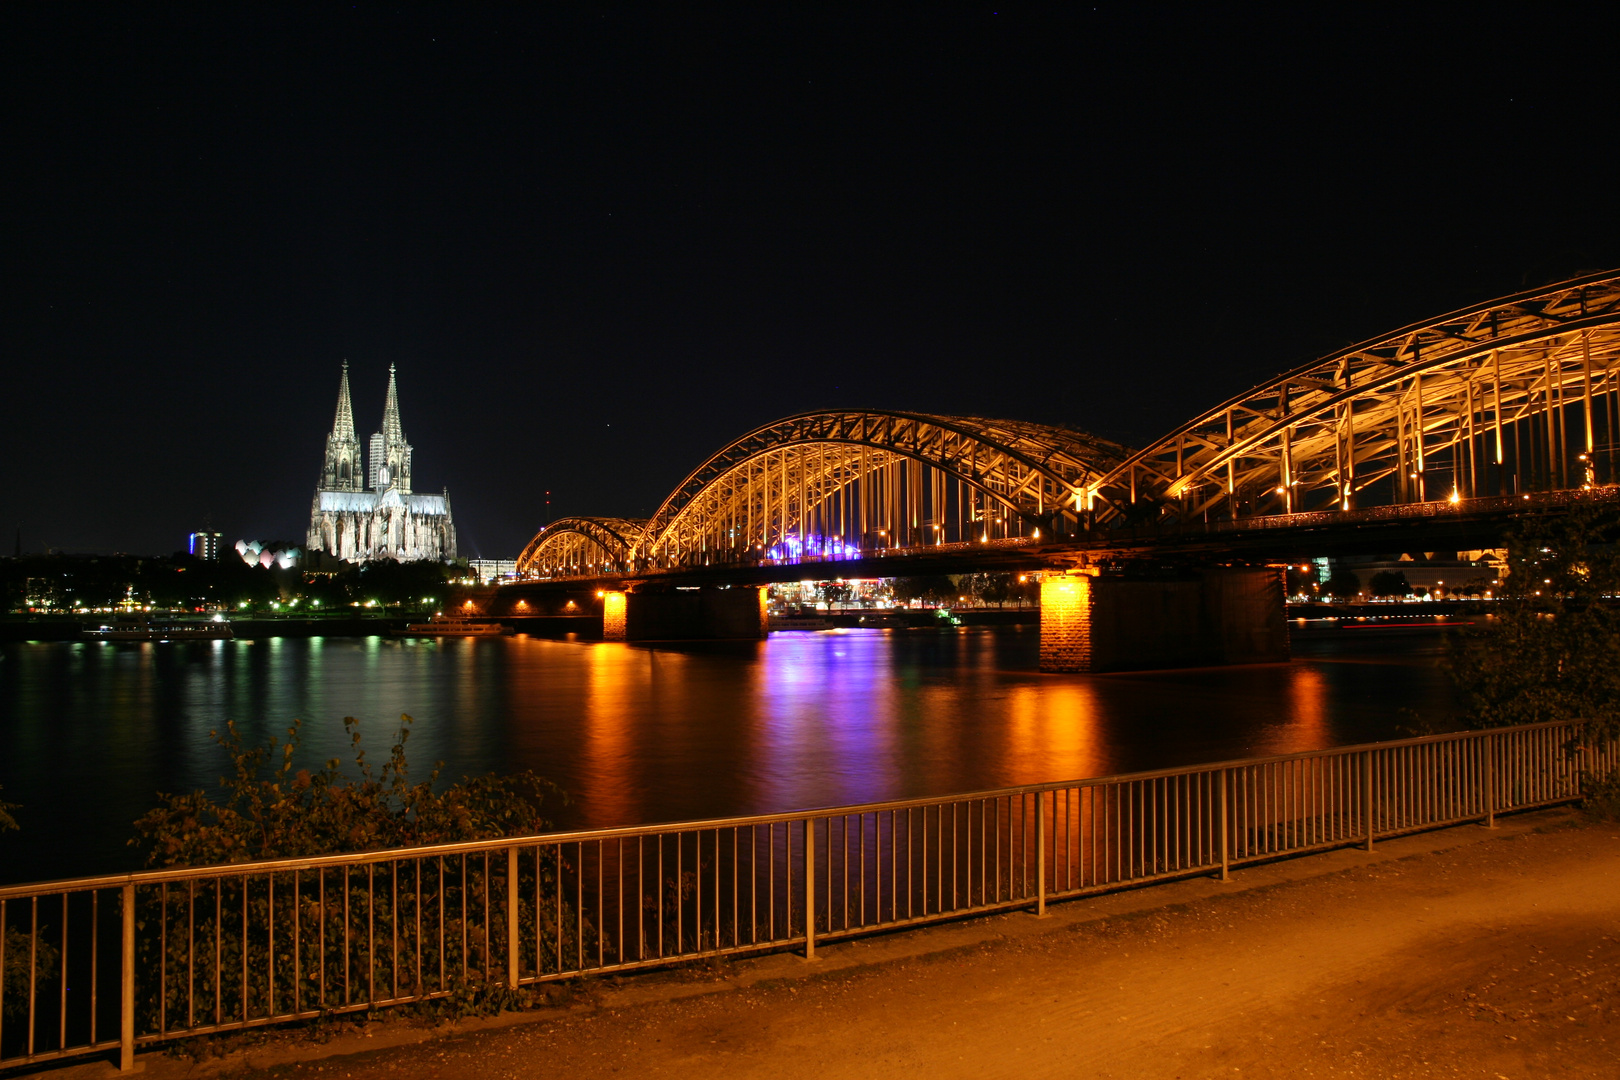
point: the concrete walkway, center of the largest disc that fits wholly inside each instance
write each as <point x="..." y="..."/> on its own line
<point x="1466" y="952"/>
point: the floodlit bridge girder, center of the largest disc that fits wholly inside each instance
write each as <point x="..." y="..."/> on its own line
<point x="832" y="485"/>
<point x="581" y="547"/>
<point x="1517" y="395"/>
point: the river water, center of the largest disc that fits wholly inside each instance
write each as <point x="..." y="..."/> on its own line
<point x="643" y="733"/>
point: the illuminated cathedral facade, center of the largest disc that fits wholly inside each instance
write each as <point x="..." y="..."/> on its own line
<point x="364" y="508"/>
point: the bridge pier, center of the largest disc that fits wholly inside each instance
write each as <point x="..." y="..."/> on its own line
<point x="710" y="612"/>
<point x="614" y="603"/>
<point x="1215" y="615"/>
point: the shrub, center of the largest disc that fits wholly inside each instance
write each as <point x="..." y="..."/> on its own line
<point x="258" y="945"/>
<point x="1600" y="796"/>
<point x="14" y="977"/>
<point x="292" y="814"/>
<point x="1549" y="653"/>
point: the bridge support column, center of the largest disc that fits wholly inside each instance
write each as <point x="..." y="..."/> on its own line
<point x="1205" y="617"/>
<point x="684" y="614"/>
<point x="1066" y="623"/>
<point x="614" y="605"/>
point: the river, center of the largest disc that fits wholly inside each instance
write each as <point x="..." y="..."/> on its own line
<point x="643" y="733"/>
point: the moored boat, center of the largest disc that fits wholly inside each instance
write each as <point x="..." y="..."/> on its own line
<point x="799" y="619"/>
<point x="143" y="628"/>
<point x="450" y="626"/>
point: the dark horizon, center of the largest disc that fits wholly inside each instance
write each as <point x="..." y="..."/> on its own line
<point x="601" y="245"/>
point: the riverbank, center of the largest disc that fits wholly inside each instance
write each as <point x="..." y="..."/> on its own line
<point x="1304" y="620"/>
<point x="1464" y="952"/>
<point x="71" y="627"/>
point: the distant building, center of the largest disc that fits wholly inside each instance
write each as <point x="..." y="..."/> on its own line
<point x="387" y="521"/>
<point x="205" y="546"/>
<point x="492" y="571"/>
<point x="275" y="553"/>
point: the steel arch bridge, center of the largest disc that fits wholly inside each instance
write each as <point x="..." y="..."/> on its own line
<point x="1514" y="397"/>
<point x="846" y="484"/>
<point x="576" y="547"/>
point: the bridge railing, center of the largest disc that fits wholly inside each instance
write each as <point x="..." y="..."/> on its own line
<point x="118" y="962"/>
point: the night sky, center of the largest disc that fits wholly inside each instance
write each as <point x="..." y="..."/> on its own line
<point x="600" y="245"/>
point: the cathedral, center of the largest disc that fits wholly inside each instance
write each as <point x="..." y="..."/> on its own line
<point x="364" y="509"/>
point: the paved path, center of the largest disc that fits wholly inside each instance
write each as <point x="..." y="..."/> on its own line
<point x="1463" y="953"/>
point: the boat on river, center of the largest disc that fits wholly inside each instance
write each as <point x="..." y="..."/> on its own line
<point x="799" y="619"/>
<point x="451" y="626"/>
<point x="144" y="628"/>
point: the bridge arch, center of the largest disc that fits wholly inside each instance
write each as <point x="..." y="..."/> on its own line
<point x="832" y="485"/>
<point x="1515" y="395"/>
<point x="580" y="547"/>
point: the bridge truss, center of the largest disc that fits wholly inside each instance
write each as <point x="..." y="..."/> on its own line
<point x="581" y="547"/>
<point x="1513" y="397"/>
<point x="1518" y="395"/>
<point x="830" y="486"/>
<point x="840" y="485"/>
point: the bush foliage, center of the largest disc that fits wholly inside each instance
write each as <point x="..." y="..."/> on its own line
<point x="260" y="944"/>
<point x="1550" y="653"/>
<point x="8" y="823"/>
<point x="278" y="813"/>
<point x="14" y="976"/>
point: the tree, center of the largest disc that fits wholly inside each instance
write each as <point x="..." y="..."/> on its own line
<point x="1550" y="652"/>
<point x="834" y="592"/>
<point x="988" y="587"/>
<point x="1389" y="583"/>
<point x="407" y="583"/>
<point x="1344" y="585"/>
<point x="1300" y="579"/>
<point x="1023" y="588"/>
<point x="936" y="587"/>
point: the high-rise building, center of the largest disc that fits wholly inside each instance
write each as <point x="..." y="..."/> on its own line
<point x="204" y="546"/>
<point x="366" y="511"/>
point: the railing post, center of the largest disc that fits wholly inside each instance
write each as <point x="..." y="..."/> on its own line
<point x="809" y="888"/>
<point x="1367" y="794"/>
<point x="1490" y="780"/>
<point x="1040" y="854"/>
<point x="513" y="946"/>
<point x="1226" y="845"/>
<point x="126" y="1006"/>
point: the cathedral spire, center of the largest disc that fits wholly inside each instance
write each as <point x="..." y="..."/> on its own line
<point x="390" y="453"/>
<point x="342" y="469"/>
<point x="343" y="426"/>
<point x="392" y="431"/>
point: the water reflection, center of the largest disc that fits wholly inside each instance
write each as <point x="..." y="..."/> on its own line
<point x="637" y="733"/>
<point x="1052" y="729"/>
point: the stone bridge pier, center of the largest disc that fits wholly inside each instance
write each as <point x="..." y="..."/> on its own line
<point x="655" y="614"/>
<point x="1089" y="623"/>
<point x="1205" y="617"/>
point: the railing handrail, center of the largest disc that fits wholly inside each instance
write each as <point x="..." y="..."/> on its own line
<point x="160" y="875"/>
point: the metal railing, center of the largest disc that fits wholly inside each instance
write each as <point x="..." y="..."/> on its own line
<point x="113" y="963"/>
